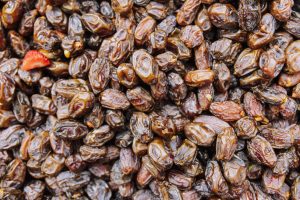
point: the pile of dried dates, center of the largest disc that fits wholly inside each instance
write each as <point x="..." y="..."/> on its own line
<point x="150" y="99"/>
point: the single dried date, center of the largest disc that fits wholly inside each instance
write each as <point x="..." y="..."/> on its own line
<point x="227" y="110"/>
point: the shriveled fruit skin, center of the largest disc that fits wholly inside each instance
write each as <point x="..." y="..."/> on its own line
<point x="261" y="151"/>
<point x="149" y="99"/>
<point x="227" y="110"/>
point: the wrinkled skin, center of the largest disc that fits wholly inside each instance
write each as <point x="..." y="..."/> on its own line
<point x="225" y="150"/>
<point x="187" y="12"/>
<point x="215" y="179"/>
<point x="264" y="33"/>
<point x="261" y="151"/>
<point x="149" y="100"/>
<point x="249" y="14"/>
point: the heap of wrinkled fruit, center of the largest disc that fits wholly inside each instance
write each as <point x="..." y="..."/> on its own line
<point x="149" y="100"/>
